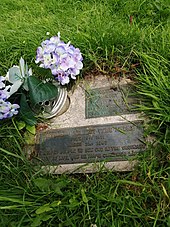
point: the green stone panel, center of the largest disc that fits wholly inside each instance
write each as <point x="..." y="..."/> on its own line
<point x="111" y="142"/>
<point x="108" y="101"/>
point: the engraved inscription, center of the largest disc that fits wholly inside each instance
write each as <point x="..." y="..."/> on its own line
<point x="89" y="144"/>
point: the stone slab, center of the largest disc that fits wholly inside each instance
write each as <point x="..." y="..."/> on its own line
<point x="68" y="144"/>
<point x="76" y="114"/>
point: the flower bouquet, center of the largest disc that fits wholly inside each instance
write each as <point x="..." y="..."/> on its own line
<point x="22" y="92"/>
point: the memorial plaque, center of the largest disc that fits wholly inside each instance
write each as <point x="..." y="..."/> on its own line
<point x="111" y="142"/>
<point x="109" y="101"/>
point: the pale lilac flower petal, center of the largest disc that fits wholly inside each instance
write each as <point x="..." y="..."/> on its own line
<point x="79" y="65"/>
<point x="44" y="43"/>
<point x="47" y="60"/>
<point x="3" y="95"/>
<point x="74" y="72"/>
<point x="63" y="79"/>
<point x="55" y="39"/>
<point x="2" y="78"/>
<point x="50" y="48"/>
<point x="60" y="50"/>
<point x="73" y="76"/>
<point x="39" y="56"/>
<point x="55" y="59"/>
<point x="7" y="109"/>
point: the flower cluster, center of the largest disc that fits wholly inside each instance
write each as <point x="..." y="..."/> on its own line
<point x="64" y="60"/>
<point x="7" y="109"/>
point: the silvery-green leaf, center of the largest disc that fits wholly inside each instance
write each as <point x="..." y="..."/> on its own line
<point x="30" y="72"/>
<point x="26" y="70"/>
<point x="22" y="66"/>
<point x="15" y="87"/>
<point x="14" y="74"/>
<point x="25" y="84"/>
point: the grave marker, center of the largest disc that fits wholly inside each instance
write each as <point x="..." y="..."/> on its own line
<point x="93" y="132"/>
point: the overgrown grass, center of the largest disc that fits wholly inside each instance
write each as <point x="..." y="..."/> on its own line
<point x="154" y="90"/>
<point x="154" y="85"/>
<point x="101" y="29"/>
<point x="103" y="32"/>
<point x="30" y="198"/>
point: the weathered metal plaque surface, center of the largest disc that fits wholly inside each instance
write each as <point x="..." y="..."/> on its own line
<point x="109" y="101"/>
<point x="112" y="142"/>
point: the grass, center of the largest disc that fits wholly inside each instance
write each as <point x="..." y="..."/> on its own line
<point x="139" y="198"/>
<point x="156" y="79"/>
<point x="108" y="40"/>
<point x="101" y="29"/>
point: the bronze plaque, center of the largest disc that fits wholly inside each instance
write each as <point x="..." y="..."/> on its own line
<point x="111" y="142"/>
<point x="108" y="101"/>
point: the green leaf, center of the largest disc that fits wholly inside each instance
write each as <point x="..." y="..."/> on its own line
<point x="31" y="129"/>
<point x="46" y="217"/>
<point x="74" y="202"/>
<point x="25" y="84"/>
<point x="29" y="138"/>
<point x="37" y="221"/>
<point x="20" y="125"/>
<point x="26" y="112"/>
<point x="55" y="203"/>
<point x="45" y="208"/>
<point x="58" y="191"/>
<point x="42" y="183"/>
<point x="39" y="91"/>
<point x="84" y="197"/>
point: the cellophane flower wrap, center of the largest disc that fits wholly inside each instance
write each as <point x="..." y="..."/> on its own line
<point x="64" y="60"/>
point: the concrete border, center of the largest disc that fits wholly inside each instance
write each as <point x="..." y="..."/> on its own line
<point x="119" y="166"/>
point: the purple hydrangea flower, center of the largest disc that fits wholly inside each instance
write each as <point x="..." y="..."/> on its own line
<point x="63" y="77"/>
<point x="3" y="95"/>
<point x="7" y="109"/>
<point x="63" y="59"/>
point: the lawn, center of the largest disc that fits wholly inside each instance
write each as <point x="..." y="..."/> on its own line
<point x="116" y="38"/>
